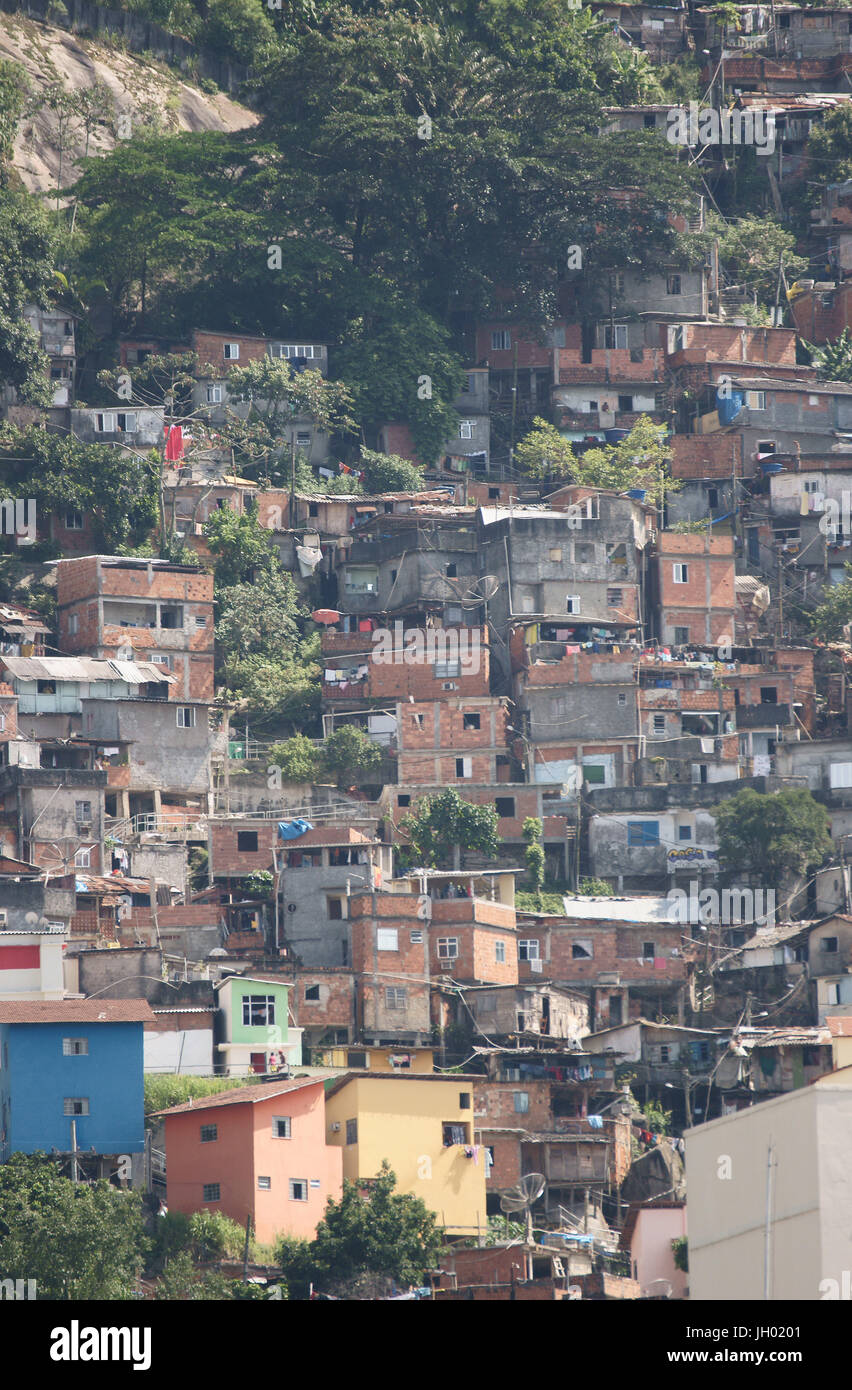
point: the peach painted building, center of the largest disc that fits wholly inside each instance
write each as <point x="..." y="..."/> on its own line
<point x="258" y="1150"/>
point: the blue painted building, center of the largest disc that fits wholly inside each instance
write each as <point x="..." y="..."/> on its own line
<point x="72" y="1065"/>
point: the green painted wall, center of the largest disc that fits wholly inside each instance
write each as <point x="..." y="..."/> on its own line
<point x="263" y="1034"/>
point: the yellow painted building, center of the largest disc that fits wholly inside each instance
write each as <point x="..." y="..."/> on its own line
<point x="423" y="1126"/>
<point x="383" y="1059"/>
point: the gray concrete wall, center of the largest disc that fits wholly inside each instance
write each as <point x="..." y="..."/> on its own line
<point x="162" y="755"/>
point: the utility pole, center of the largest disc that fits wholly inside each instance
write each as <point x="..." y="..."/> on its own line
<point x="780" y="598"/>
<point x="246" y="1249"/>
<point x="75" y="1171"/>
<point x="767" y="1240"/>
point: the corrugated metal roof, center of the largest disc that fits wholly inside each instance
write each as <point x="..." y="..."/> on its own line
<point x="84" y="668"/>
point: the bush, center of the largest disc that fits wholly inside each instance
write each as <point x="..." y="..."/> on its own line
<point x="164" y="1091"/>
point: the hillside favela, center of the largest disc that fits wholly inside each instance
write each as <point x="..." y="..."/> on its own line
<point x="426" y="658"/>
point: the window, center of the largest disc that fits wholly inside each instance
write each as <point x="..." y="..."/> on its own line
<point x="501" y="340"/>
<point x="73" y="624"/>
<point x="522" y="1102"/>
<point x="387" y="939"/>
<point x="75" y="1047"/>
<point x="684" y="832"/>
<point x="312" y="994"/>
<point x="659" y="723"/>
<point x="464" y="1100"/>
<point x="264" y="1184"/>
<point x="622" y="698"/>
<point x="444" y="670"/>
<point x="681" y="636"/>
<point x="231" y="352"/>
<point x="209" y="1134"/>
<point x="247" y="841"/>
<point x="581" y="950"/>
<point x="615" y="334"/>
<point x="298" y="1190"/>
<point x="470" y="721"/>
<point x="643" y="832"/>
<point x="648" y="951"/>
<point x="665" y="1053"/>
<point x="625" y="403"/>
<point x="672" y="284"/>
<point x="454" y="1133"/>
<point x="614" y="597"/>
<point x="452" y="571"/>
<point x="73" y="519"/>
<point x="448" y="947"/>
<point x="500" y="952"/>
<point x="211" y="1192"/>
<point x="334" y="906"/>
<point x="396" y="998"/>
<point x="75" y="1105"/>
<point x="680" y="574"/>
<point x="712" y="498"/>
<point x="258" y="1010"/>
<point x="649" y="121"/>
<point x="765" y="446"/>
<point x="572" y="603"/>
<point x="281" y="1127"/>
<point x="214" y="395"/>
<point x="200" y="622"/>
<point x="756" y="400"/>
<point x="828" y="944"/>
<point x="528" y="948"/>
<point x="352" y="1131"/>
<point x="404" y="799"/>
<point x="82" y="811"/>
<point x="83" y="858"/>
<point x="104" y="422"/>
<point x="296" y="350"/>
<point x="416" y="937"/>
<point x="464" y="767"/>
<point x="465" y="429"/>
<point x="186" y="716"/>
<point x="126" y="421"/>
<point x="504" y="805"/>
<point x="769" y="695"/>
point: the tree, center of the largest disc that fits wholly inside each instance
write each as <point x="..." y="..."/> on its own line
<point x="259" y="618"/>
<point x="275" y="393"/>
<point x="829" y="149"/>
<point x="544" y="453"/>
<point x="390" y="473"/>
<point x="349" y="752"/>
<point x="268" y="668"/>
<point x="78" y="1241"/>
<point x="241" y="547"/>
<point x="532" y="832"/>
<point x="831" y="616"/>
<point x="751" y="251"/>
<point x="386" y="1232"/>
<point x="833" y="361"/>
<point x="773" y="833"/>
<point x="298" y="758"/>
<point x="638" y="461"/>
<point x="115" y="488"/>
<point x="443" y="826"/>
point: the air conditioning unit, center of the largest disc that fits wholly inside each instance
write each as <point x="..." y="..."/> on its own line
<point x="335" y="1128"/>
<point x="84" y="827"/>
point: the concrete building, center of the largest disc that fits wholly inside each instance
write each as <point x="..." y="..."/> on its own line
<point x="647" y="1233"/>
<point x="779" y="1223"/>
<point x="694" y="589"/>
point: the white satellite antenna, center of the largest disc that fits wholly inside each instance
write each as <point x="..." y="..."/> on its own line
<point x="124" y="654"/>
<point x="482" y="590"/>
<point x="522" y="1197"/>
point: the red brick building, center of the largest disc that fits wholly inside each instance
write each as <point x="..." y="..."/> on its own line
<point x="160" y="612"/>
<point x="694" y="588"/>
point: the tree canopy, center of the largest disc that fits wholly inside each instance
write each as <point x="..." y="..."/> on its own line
<point x="441" y="827"/>
<point x="775" y="832"/>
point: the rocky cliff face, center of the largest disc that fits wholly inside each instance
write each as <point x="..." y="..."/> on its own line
<point x="135" y="91"/>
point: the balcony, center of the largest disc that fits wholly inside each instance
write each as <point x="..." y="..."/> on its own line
<point x="763" y="716"/>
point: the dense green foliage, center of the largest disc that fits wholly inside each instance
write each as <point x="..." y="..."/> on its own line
<point x="442" y="826"/>
<point x="77" y="1240"/>
<point x="783" y="831"/>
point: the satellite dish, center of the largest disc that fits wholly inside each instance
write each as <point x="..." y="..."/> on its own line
<point x="485" y="587"/>
<point x="124" y="654"/>
<point x="522" y="1197"/>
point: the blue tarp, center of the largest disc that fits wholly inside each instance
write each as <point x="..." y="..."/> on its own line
<point x="292" y="829"/>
